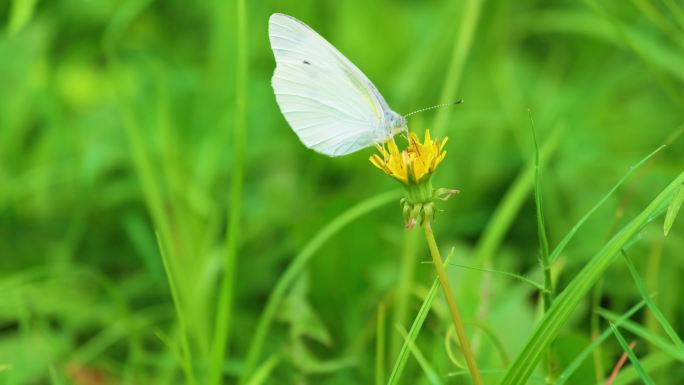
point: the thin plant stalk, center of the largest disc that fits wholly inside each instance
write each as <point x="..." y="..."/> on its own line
<point x="224" y="312"/>
<point x="182" y="325"/>
<point x="453" y="309"/>
<point x="597" y="354"/>
<point x="544" y="260"/>
<point x="380" y="346"/>
<point x="459" y="56"/>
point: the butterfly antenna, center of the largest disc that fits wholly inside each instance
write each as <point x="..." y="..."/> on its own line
<point x="434" y="107"/>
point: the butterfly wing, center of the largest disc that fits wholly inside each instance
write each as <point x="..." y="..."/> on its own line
<point x="330" y="104"/>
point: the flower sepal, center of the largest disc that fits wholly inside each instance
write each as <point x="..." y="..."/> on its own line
<point x="445" y="193"/>
<point x="418" y="205"/>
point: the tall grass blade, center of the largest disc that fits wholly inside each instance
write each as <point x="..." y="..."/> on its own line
<point x="565" y="303"/>
<point x="675" y="11"/>
<point x="632" y="357"/>
<point x="650" y="363"/>
<point x="459" y="55"/>
<point x="673" y="210"/>
<point x="657" y="341"/>
<point x="669" y="330"/>
<point x="380" y="346"/>
<point x="20" y="15"/>
<point x="263" y="372"/>
<point x="584" y="354"/>
<point x="519" y="277"/>
<point x="182" y="325"/>
<point x="297" y="266"/>
<point x="225" y="303"/>
<point x="544" y="262"/>
<point x="417" y="324"/>
<point x="511" y="203"/>
<point x="538" y="201"/>
<point x="622" y="33"/>
<point x="432" y="376"/>
<point x="568" y="237"/>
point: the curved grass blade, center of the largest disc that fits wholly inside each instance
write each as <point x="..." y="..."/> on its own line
<point x="459" y="56"/>
<point x="657" y="341"/>
<point x="432" y="376"/>
<point x="296" y="267"/>
<point x="566" y="302"/>
<point x="669" y="330"/>
<point x="564" y="242"/>
<point x="519" y="277"/>
<point x="575" y="364"/>
<point x="262" y="373"/>
<point x="180" y="315"/>
<point x="632" y="357"/>
<point x="400" y="363"/>
<point x="650" y="363"/>
<point x="510" y="205"/>
<point x="21" y="13"/>
<point x="673" y="210"/>
<point x="535" y="378"/>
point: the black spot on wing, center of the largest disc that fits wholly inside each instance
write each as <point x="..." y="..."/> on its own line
<point x="306" y="62"/>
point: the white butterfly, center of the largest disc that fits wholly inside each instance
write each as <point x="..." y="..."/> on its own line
<point x="329" y="103"/>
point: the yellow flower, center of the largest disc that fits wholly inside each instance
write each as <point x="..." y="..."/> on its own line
<point x="413" y="165"/>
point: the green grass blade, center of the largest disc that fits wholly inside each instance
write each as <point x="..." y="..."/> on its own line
<point x="538" y="379"/>
<point x="519" y="277"/>
<point x="20" y="15"/>
<point x="622" y="32"/>
<point x="431" y="374"/>
<point x="459" y="55"/>
<point x="182" y="325"/>
<point x="55" y="377"/>
<point x="566" y="302"/>
<point x="510" y="205"/>
<point x="417" y="324"/>
<point x="547" y="293"/>
<point x="669" y="330"/>
<point x="568" y="237"/>
<point x="380" y="346"/>
<point x="632" y="357"/>
<point x="673" y="210"/>
<point x="650" y="364"/>
<point x="675" y="11"/>
<point x="225" y="302"/>
<point x="575" y="364"/>
<point x="496" y="341"/>
<point x="262" y="373"/>
<point x="538" y="201"/>
<point x="297" y="266"/>
<point x="657" y="341"/>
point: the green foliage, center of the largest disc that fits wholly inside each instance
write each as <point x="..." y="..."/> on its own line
<point x="160" y="223"/>
<point x="673" y="210"/>
<point x="632" y="357"/>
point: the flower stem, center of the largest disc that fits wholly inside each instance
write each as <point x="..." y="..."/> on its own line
<point x="451" y="301"/>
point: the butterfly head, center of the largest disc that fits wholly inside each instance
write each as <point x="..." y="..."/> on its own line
<point x="395" y="123"/>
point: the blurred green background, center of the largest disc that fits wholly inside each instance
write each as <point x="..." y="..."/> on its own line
<point x="118" y="127"/>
